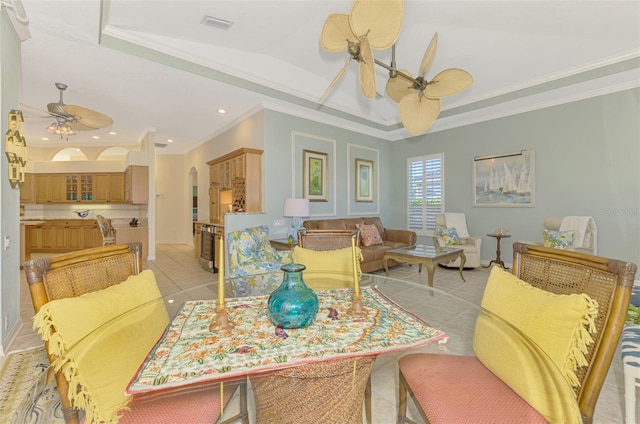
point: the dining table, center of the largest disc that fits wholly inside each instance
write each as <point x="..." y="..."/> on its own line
<point x="399" y="317"/>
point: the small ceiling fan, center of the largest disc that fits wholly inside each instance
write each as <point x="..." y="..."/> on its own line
<point x="375" y="24"/>
<point x="72" y="118"/>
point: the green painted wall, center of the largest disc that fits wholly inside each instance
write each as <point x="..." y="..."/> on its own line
<point x="587" y="156"/>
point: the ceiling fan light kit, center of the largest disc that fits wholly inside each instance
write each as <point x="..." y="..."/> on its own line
<point x="375" y="25"/>
<point x="72" y="118"/>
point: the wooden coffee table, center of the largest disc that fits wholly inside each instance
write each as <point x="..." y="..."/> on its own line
<point x="428" y="255"/>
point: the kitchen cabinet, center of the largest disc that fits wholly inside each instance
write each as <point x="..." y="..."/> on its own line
<point x="197" y="239"/>
<point x="50" y="188"/>
<point x="132" y="235"/>
<point x="136" y="184"/>
<point x="241" y="172"/>
<point x="214" y="204"/>
<point x="108" y="188"/>
<point x="28" y="189"/>
<point x="59" y="235"/>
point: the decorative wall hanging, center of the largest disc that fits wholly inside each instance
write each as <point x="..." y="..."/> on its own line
<point x="315" y="176"/>
<point x="504" y="180"/>
<point x="15" y="148"/>
<point x="364" y="180"/>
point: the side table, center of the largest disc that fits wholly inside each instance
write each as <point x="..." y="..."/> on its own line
<point x="497" y="260"/>
<point x="281" y="244"/>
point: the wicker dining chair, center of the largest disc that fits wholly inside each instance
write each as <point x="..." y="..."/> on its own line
<point x="323" y="240"/>
<point x="450" y="388"/>
<point x="91" y="270"/>
<point x="108" y="238"/>
<point x="321" y="392"/>
<point x="327" y="240"/>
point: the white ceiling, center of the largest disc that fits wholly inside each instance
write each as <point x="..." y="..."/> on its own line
<point x="522" y="54"/>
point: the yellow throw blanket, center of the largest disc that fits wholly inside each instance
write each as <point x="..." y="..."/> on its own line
<point x="101" y="338"/>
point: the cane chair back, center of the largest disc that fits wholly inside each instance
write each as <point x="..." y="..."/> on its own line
<point x="481" y="393"/>
<point x="322" y="240"/>
<point x="85" y="271"/>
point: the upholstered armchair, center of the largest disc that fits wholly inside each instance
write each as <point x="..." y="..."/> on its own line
<point x="451" y="231"/>
<point x="250" y="253"/>
<point x="576" y="233"/>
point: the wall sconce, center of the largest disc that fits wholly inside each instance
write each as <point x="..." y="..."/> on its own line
<point x="15" y="148"/>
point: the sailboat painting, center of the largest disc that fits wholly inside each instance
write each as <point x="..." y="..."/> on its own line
<point x="504" y="180"/>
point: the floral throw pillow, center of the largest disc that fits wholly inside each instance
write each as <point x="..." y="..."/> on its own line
<point x="449" y="235"/>
<point x="558" y="239"/>
<point x="369" y="235"/>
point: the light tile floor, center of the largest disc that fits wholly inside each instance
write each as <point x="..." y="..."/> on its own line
<point x="176" y="268"/>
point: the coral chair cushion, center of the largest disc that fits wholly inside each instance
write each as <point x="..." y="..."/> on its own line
<point x="327" y="269"/>
<point x="202" y="406"/>
<point x="121" y="324"/>
<point x="561" y="325"/>
<point x="369" y="235"/>
<point x="459" y="389"/>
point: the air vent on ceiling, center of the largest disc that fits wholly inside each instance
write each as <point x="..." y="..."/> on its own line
<point x="161" y="145"/>
<point x="216" y="22"/>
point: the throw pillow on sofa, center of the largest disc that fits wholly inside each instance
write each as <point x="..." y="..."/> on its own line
<point x="369" y="235"/>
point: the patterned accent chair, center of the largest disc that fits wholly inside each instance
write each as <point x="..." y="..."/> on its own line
<point x="250" y="253"/>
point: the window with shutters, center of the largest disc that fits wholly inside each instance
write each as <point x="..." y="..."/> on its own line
<point x="426" y="192"/>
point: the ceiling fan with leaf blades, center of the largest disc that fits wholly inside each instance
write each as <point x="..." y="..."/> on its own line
<point x="72" y="118"/>
<point x="418" y="98"/>
<point x="369" y="25"/>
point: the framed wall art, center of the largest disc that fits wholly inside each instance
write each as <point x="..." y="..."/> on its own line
<point x="315" y="176"/>
<point x="504" y="180"/>
<point x="364" y="180"/>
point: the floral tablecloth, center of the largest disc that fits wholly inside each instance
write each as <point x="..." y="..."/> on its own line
<point x="189" y="353"/>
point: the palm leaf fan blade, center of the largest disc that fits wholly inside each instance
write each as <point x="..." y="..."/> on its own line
<point x="429" y="55"/>
<point x="335" y="80"/>
<point x="418" y="113"/>
<point x="336" y="33"/>
<point x="379" y="20"/>
<point x="367" y="71"/>
<point x="89" y="117"/>
<point x="399" y="86"/>
<point x="448" y="82"/>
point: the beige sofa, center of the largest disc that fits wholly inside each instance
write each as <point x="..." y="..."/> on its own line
<point x="372" y="255"/>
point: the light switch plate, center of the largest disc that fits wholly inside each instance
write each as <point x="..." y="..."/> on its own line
<point x="7" y="242"/>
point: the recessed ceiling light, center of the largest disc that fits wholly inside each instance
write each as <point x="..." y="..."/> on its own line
<point x="44" y="138"/>
<point x="222" y="111"/>
<point x="216" y="22"/>
<point x="169" y="140"/>
<point x="95" y="137"/>
<point x="112" y="133"/>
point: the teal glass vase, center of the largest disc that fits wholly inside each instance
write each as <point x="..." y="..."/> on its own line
<point x="293" y="304"/>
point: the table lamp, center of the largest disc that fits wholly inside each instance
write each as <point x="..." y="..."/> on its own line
<point x="296" y="208"/>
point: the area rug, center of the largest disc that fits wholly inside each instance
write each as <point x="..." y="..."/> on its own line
<point x="24" y="395"/>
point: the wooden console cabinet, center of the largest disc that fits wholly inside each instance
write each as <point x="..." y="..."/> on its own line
<point x="240" y="172"/>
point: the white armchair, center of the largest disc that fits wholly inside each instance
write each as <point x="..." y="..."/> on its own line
<point x="584" y="238"/>
<point x="470" y="245"/>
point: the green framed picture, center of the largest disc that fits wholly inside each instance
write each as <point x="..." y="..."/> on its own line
<point x="315" y="174"/>
<point x="364" y="180"/>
